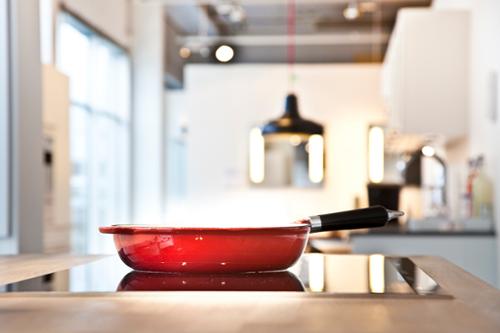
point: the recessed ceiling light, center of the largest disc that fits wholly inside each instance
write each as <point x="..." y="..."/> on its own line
<point x="224" y="9"/>
<point x="351" y="12"/>
<point x="237" y="15"/>
<point x="428" y="151"/>
<point x="231" y="11"/>
<point x="184" y="52"/>
<point x="224" y="53"/>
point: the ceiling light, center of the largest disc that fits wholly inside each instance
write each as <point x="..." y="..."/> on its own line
<point x="224" y="53"/>
<point x="184" y="52"/>
<point x="295" y="140"/>
<point x="291" y="122"/>
<point x="428" y="151"/>
<point x="224" y="9"/>
<point x="237" y="15"/>
<point x="351" y="12"/>
<point x="231" y="11"/>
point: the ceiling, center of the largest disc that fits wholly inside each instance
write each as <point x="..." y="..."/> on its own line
<point x="258" y="29"/>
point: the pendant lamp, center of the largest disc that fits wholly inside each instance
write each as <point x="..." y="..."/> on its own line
<point x="291" y="122"/>
<point x="289" y="150"/>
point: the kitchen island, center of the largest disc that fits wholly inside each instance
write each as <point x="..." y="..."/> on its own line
<point x="473" y="307"/>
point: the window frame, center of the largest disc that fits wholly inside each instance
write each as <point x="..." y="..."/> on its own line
<point x="5" y="113"/>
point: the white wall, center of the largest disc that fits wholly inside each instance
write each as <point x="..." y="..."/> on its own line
<point x="485" y="59"/>
<point x="222" y="103"/>
<point x="484" y="133"/>
<point x="148" y="115"/>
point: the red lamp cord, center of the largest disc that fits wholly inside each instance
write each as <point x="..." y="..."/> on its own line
<point x="291" y="44"/>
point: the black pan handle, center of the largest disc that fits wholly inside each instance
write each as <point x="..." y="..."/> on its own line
<point x="375" y="216"/>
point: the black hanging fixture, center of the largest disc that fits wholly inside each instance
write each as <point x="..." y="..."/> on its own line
<point x="291" y="122"/>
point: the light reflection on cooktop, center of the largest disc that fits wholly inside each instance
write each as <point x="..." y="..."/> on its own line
<point x="336" y="275"/>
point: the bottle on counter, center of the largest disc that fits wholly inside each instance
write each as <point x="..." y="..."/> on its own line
<point x="482" y="193"/>
<point x="472" y="172"/>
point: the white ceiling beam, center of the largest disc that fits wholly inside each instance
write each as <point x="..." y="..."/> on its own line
<point x="281" y="40"/>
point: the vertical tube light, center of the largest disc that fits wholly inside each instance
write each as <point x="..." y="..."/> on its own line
<point x="316" y="158"/>
<point x="316" y="273"/>
<point x="376" y="154"/>
<point x="256" y="156"/>
<point x="376" y="267"/>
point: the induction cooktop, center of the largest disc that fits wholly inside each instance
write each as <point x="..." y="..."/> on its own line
<point x="335" y="275"/>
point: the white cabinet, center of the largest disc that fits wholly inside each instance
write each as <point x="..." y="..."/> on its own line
<point x="474" y="253"/>
<point x="425" y="72"/>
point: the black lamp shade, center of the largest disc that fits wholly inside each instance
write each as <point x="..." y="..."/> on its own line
<point x="291" y="122"/>
<point x="413" y="170"/>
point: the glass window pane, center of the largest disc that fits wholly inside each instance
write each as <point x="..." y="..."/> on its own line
<point x="122" y="189"/>
<point x="100" y="71"/>
<point x="73" y="59"/>
<point x="4" y="108"/>
<point x="46" y="40"/>
<point x="120" y="84"/>
<point x="80" y="177"/>
<point x="99" y="74"/>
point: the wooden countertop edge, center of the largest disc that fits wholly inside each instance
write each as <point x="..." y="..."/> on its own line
<point x="210" y="294"/>
<point x="464" y="286"/>
<point x="15" y="268"/>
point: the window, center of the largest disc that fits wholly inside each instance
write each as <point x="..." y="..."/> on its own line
<point x="99" y="74"/>
<point x="4" y="118"/>
<point x="46" y="9"/>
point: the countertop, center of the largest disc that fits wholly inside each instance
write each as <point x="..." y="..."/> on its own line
<point x="474" y="308"/>
<point x="400" y="230"/>
<point x="15" y="268"/>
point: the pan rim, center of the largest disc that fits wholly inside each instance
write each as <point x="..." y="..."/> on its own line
<point x="158" y="229"/>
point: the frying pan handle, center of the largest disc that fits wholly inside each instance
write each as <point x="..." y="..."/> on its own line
<point x="375" y="216"/>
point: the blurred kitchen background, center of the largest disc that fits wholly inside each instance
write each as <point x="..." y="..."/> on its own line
<point x="252" y="112"/>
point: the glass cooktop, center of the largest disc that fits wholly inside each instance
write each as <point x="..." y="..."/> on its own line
<point x="336" y="275"/>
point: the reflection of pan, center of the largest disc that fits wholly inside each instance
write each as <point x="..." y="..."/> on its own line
<point x="230" y="250"/>
<point x="274" y="281"/>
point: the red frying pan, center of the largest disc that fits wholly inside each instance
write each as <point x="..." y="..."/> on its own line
<point x="231" y="250"/>
<point x="272" y="281"/>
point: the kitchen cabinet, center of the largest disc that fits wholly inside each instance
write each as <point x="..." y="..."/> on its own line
<point x="425" y="72"/>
